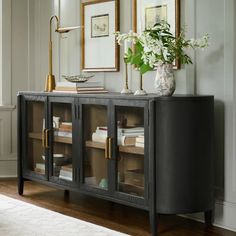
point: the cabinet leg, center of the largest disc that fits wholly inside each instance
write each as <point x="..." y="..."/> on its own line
<point x="66" y="194"/>
<point x="208" y="217"/>
<point x="20" y="186"/>
<point x="153" y="223"/>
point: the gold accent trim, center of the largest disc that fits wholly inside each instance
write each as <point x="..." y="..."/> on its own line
<point x="43" y="138"/>
<point x="50" y="83"/>
<point x="107" y="148"/>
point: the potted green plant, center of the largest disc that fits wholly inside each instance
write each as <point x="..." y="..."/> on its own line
<point x="157" y="48"/>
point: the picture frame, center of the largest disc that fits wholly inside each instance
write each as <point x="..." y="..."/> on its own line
<point x="150" y="12"/>
<point x="99" y="49"/>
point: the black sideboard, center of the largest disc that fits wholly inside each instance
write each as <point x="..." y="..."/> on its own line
<point x="84" y="143"/>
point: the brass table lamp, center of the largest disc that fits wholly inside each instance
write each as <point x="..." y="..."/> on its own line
<point x="50" y="81"/>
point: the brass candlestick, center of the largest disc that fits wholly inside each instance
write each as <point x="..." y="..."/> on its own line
<point x="126" y="89"/>
<point x="50" y="81"/>
<point x="140" y="91"/>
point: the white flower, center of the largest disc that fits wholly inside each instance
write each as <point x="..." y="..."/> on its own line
<point x="199" y="43"/>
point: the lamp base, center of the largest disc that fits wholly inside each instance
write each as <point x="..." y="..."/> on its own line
<point x="140" y="92"/>
<point x="50" y="83"/>
<point x="126" y="91"/>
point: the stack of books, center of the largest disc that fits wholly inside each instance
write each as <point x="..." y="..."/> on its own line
<point x="86" y="87"/>
<point x="125" y="136"/>
<point x="66" y="173"/>
<point x="64" y="130"/>
<point x="60" y="160"/>
<point x="140" y="141"/>
<point x="40" y="168"/>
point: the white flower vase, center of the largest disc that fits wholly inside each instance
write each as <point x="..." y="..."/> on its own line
<point x="165" y="81"/>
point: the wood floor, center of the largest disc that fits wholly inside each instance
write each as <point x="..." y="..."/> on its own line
<point x="114" y="216"/>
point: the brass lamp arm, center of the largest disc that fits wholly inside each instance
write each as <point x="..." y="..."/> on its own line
<point x="51" y="19"/>
<point x="50" y="42"/>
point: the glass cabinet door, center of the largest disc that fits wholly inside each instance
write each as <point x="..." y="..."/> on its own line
<point x="130" y="161"/>
<point x="35" y="129"/>
<point x="95" y="154"/>
<point x="62" y="165"/>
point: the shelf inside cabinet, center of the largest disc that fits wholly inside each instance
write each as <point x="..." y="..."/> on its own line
<point x="124" y="149"/>
<point x="56" y="138"/>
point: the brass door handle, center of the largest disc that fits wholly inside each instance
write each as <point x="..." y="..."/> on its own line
<point x="43" y="138"/>
<point x="47" y="139"/>
<point x="107" y="148"/>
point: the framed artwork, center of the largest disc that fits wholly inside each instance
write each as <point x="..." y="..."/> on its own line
<point x="146" y="13"/>
<point x="100" y="19"/>
<point x="100" y="26"/>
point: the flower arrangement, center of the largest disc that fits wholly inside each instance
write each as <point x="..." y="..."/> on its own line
<point x="158" y="45"/>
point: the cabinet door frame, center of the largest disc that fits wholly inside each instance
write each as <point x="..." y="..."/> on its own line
<point x="26" y="172"/>
<point x="136" y="200"/>
<point x="75" y="162"/>
<point x="93" y="101"/>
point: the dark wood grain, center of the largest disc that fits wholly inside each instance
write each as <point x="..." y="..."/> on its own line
<point x="114" y="216"/>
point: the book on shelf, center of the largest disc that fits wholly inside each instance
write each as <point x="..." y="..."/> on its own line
<point x="65" y="124"/>
<point x="135" y="131"/>
<point x="122" y="140"/>
<point x="66" y="172"/>
<point x="80" y="92"/>
<point x="137" y="144"/>
<point x="140" y="141"/>
<point x="69" y="129"/>
<point x="88" y="84"/>
<point x="40" y="168"/>
<point x="125" y="136"/>
<point x="78" y="89"/>
<point x="39" y="171"/>
<point x="65" y="134"/>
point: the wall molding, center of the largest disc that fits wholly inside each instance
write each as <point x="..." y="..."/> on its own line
<point x="7" y="108"/>
<point x="225" y="213"/>
<point x="6" y="73"/>
<point x="8" y="169"/>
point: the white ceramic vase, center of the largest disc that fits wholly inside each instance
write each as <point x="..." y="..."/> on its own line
<point x="165" y="81"/>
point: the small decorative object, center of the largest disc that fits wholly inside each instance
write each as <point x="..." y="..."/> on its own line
<point x="103" y="183"/>
<point x="50" y="81"/>
<point x="164" y="81"/>
<point x="78" y="78"/>
<point x="126" y="89"/>
<point x="158" y="47"/>
<point x="100" y="19"/>
<point x="140" y="91"/>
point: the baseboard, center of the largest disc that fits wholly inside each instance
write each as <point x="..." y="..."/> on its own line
<point x="8" y="166"/>
<point x="225" y="213"/>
